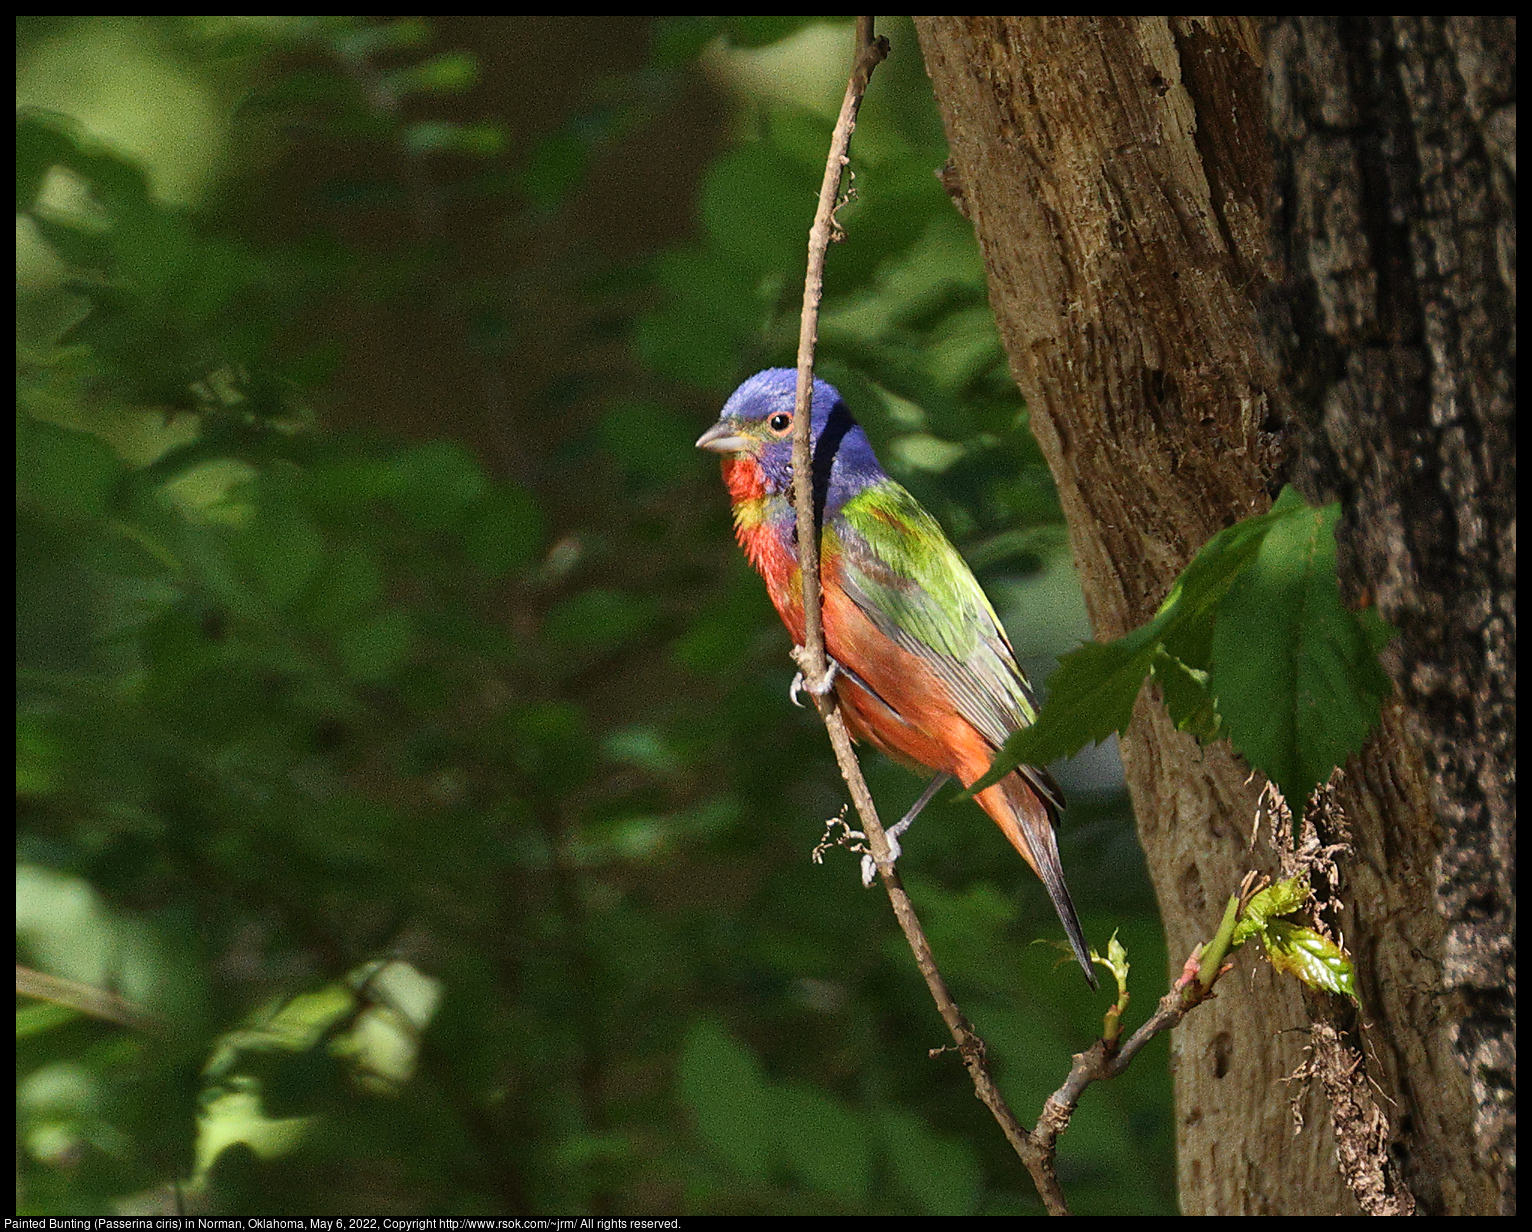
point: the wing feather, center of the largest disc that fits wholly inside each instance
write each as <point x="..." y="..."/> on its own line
<point x="901" y="570"/>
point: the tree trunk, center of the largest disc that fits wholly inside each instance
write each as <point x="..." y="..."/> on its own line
<point x="1395" y="224"/>
<point x="1118" y="174"/>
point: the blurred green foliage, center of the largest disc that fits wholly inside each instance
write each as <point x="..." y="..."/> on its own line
<point x="421" y="765"/>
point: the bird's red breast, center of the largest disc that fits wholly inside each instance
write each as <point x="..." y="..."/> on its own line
<point x="906" y="711"/>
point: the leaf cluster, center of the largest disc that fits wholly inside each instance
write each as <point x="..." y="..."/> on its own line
<point x="434" y="793"/>
<point x="1293" y="948"/>
<point x="1253" y="643"/>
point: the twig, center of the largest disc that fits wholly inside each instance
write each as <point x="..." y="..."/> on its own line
<point x="870" y="52"/>
<point x="83" y="998"/>
<point x="1102" y="1060"/>
<point x="1035" y="1154"/>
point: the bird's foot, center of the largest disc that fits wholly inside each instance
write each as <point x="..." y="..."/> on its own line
<point x="870" y="865"/>
<point x="800" y="685"/>
<point x="855" y="841"/>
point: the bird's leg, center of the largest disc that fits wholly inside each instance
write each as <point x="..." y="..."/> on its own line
<point x="832" y="670"/>
<point x="869" y="865"/>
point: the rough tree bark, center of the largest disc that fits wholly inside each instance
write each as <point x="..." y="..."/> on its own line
<point x="1394" y="221"/>
<point x="1118" y="173"/>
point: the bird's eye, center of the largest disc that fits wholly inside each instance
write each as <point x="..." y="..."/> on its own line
<point x="780" y="423"/>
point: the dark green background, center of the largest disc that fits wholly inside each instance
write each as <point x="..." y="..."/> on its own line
<point x="397" y="720"/>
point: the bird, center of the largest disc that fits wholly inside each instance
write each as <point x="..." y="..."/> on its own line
<point x="920" y="665"/>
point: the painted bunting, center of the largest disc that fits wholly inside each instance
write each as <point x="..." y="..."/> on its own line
<point x="921" y="667"/>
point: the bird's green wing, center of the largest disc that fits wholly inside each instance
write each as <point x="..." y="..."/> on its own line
<point x="901" y="570"/>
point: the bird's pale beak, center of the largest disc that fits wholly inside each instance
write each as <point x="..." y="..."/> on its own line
<point x="722" y="438"/>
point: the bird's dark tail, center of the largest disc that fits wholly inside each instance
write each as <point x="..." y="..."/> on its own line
<point x="1028" y="820"/>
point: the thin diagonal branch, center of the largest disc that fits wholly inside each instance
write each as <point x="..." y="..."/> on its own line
<point x="83" y="998"/>
<point x="811" y="655"/>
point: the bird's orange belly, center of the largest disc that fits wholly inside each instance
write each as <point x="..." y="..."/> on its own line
<point x="908" y="713"/>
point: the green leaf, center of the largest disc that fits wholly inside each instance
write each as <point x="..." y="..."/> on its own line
<point x="450" y="72"/>
<point x="824" y="1141"/>
<point x="38" y="1019"/>
<point x="554" y="169"/>
<point x="720" y="1081"/>
<point x="1297" y="682"/>
<point x="441" y="479"/>
<point x="374" y="649"/>
<point x="84" y="246"/>
<point x="1312" y="958"/>
<point x="45" y="139"/>
<point x="940" y="1172"/>
<point x="282" y="550"/>
<point x="757" y="207"/>
<point x="1252" y="643"/>
<point x="63" y="473"/>
<point x="1278" y="899"/>
<point x="1097" y="686"/>
<point x="42" y="141"/>
<point x="40" y="757"/>
<point x="1187" y="697"/>
<point x="351" y="585"/>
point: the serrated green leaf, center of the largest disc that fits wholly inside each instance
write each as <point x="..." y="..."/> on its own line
<point x="1279" y="898"/>
<point x="1187" y="633"/>
<point x="1314" y="959"/>
<point x="1096" y="687"/>
<point x="1295" y="679"/>
<point x="1187" y="697"/>
<point x="1092" y="694"/>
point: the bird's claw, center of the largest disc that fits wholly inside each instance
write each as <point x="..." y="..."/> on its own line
<point x="800" y="685"/>
<point x="870" y="865"/>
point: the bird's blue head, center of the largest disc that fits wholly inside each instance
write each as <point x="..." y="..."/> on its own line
<point x="756" y="423"/>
